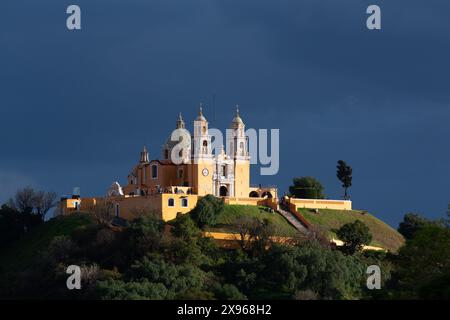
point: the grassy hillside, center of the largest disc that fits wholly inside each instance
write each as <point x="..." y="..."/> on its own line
<point x="232" y="212"/>
<point x="330" y="220"/>
<point x="21" y="253"/>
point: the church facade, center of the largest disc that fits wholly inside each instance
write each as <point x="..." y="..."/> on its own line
<point x="201" y="172"/>
<point x="169" y="187"/>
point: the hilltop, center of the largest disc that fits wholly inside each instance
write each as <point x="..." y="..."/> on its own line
<point x="231" y="213"/>
<point x="329" y="221"/>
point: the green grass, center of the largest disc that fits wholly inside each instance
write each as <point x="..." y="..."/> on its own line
<point x="231" y="213"/>
<point x="330" y="220"/>
<point x="21" y="254"/>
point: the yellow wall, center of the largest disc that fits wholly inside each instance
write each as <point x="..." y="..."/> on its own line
<point x="169" y="213"/>
<point x="246" y="201"/>
<point x="319" y="204"/>
<point x="131" y="207"/>
<point x="242" y="179"/>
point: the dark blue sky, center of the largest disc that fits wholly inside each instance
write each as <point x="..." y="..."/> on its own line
<point x="77" y="107"/>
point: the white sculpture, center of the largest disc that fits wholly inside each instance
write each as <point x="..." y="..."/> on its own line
<point x="115" y="190"/>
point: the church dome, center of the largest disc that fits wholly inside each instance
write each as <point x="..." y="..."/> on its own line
<point x="180" y="125"/>
<point x="200" y="116"/>
<point x="237" y="120"/>
<point x="170" y="144"/>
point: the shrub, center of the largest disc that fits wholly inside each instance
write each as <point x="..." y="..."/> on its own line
<point x="307" y="188"/>
<point x="206" y="211"/>
<point x="354" y="235"/>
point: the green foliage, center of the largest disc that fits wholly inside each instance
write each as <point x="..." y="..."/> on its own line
<point x="329" y="221"/>
<point x="423" y="264"/>
<point x="344" y="174"/>
<point x="231" y="214"/>
<point x="229" y="292"/>
<point x="207" y="210"/>
<point x="413" y="222"/>
<point x="185" y="228"/>
<point x="328" y="273"/>
<point x="255" y="235"/>
<point x="24" y="251"/>
<point x="354" y="235"/>
<point x="143" y="262"/>
<point x="154" y="278"/>
<point x="144" y="235"/>
<point x="307" y="188"/>
<point x="141" y="290"/>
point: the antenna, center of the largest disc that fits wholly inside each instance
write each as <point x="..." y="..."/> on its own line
<point x="214" y="106"/>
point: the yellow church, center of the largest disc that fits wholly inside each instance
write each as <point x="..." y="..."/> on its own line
<point x="169" y="188"/>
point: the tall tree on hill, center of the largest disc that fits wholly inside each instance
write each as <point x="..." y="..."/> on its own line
<point x="344" y="174"/>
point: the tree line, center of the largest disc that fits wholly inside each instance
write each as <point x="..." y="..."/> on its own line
<point x="145" y="261"/>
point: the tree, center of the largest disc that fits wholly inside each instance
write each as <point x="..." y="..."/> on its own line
<point x="344" y="174"/>
<point x="325" y="273"/>
<point x="207" y="210"/>
<point x="23" y="200"/>
<point x="229" y="292"/>
<point x="30" y="201"/>
<point x="423" y="264"/>
<point x="413" y="222"/>
<point x="354" y="235"/>
<point x="43" y="202"/>
<point x="144" y="235"/>
<point x="307" y="188"/>
<point x="244" y="226"/>
<point x="103" y="212"/>
<point x="11" y="225"/>
<point x="184" y="227"/>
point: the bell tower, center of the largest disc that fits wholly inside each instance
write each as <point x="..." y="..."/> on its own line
<point x="202" y="158"/>
<point x="202" y="139"/>
<point x="238" y="150"/>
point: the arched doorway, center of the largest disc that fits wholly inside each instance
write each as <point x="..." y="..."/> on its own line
<point x="223" y="191"/>
<point x="254" y="194"/>
<point x="267" y="194"/>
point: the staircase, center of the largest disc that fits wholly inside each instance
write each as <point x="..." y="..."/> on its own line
<point x="293" y="220"/>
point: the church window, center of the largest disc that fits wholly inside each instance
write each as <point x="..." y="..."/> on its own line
<point x="184" y="202"/>
<point x="154" y="171"/>
<point x="224" y="170"/>
<point x="180" y="173"/>
<point x="171" y="202"/>
<point x="166" y="154"/>
<point x="241" y="146"/>
<point x="117" y="210"/>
